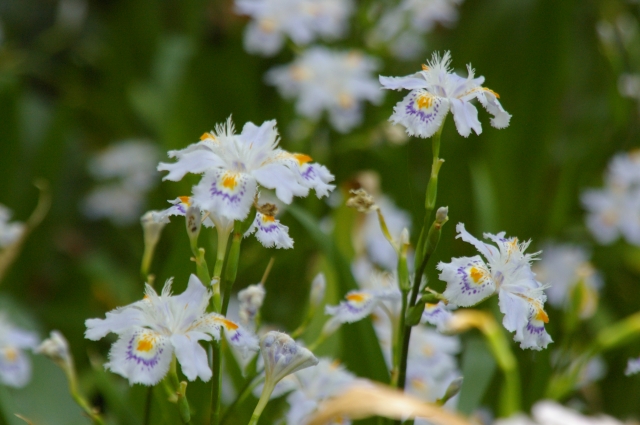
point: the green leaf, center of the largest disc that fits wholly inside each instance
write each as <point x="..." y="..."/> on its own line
<point x="478" y="368"/>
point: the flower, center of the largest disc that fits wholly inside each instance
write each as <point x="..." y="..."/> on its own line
<point x="403" y="26"/>
<point x="314" y="385"/>
<point x="15" y="367"/>
<point x="358" y="304"/>
<point x="437" y="315"/>
<point x="301" y="20"/>
<point x="9" y="232"/>
<point x="566" y="267"/>
<point x="234" y="164"/>
<point x="547" y="412"/>
<point x="151" y="330"/>
<point x="615" y="209"/>
<point x="434" y="91"/>
<point x="282" y="356"/>
<point x="507" y="272"/>
<point x="126" y="170"/>
<point x="318" y="288"/>
<point x="325" y="79"/>
<point x="270" y="232"/>
<point x="251" y="299"/>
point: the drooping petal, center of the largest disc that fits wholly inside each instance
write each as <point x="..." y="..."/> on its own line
<point x="190" y="160"/>
<point x="311" y="175"/>
<point x="490" y="101"/>
<point x="421" y="113"/>
<point x="15" y="367"/>
<point x="465" y="116"/>
<point x="141" y="355"/>
<point x="534" y="335"/>
<point x="469" y="280"/>
<point x="516" y="312"/>
<point x="116" y="321"/>
<point x="279" y="177"/>
<point x="408" y="82"/>
<point x="192" y="357"/>
<point x="225" y="193"/>
<point x="270" y="232"/>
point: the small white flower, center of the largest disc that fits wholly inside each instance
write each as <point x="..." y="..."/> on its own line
<point x="15" y="366"/>
<point x="314" y="385"/>
<point x="324" y="79"/>
<point x="436" y="315"/>
<point x="151" y="330"/>
<point x="359" y="304"/>
<point x="318" y="287"/>
<point x="434" y="91"/>
<point x="234" y="164"/>
<point x="403" y="27"/>
<point x="9" y="232"/>
<point x="251" y="299"/>
<point x="633" y="367"/>
<point x="507" y="272"/>
<point x="56" y="348"/>
<point x="547" y="412"/>
<point x="270" y="232"/>
<point x="615" y="209"/>
<point x="303" y="21"/>
<point x="282" y="356"/>
<point x="565" y="267"/>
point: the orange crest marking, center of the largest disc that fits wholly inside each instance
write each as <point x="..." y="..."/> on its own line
<point x="268" y="218"/>
<point x="230" y="181"/>
<point x="228" y="324"/>
<point x="302" y="158"/>
<point x="476" y="274"/>
<point x="185" y="200"/>
<point x="357" y="297"/>
<point x="206" y="136"/>
<point x="425" y="100"/>
<point x="542" y="316"/>
<point x="145" y="344"/>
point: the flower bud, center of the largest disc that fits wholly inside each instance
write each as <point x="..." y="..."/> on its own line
<point x="152" y="224"/>
<point x="251" y="299"/>
<point x="361" y="201"/>
<point x="193" y="219"/>
<point x="56" y="348"/>
<point x="318" y="287"/>
<point x="442" y="215"/>
<point x="282" y="356"/>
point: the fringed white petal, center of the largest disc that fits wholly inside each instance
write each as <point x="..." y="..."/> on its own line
<point x="190" y="160"/>
<point x="192" y="357"/>
<point x="270" y="232"/>
<point x="469" y="280"/>
<point x="465" y="116"/>
<point x="421" y="113"/>
<point x="490" y="101"/>
<point x="225" y="193"/>
<point x="408" y="82"/>
<point x="116" y="321"/>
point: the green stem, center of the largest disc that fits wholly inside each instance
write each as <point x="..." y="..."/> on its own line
<point x="78" y="398"/>
<point x="216" y="366"/>
<point x="231" y="269"/>
<point x="262" y="403"/>
<point x="147" y="406"/>
<point x="223" y="239"/>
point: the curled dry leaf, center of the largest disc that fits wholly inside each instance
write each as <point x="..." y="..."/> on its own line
<point x="363" y="401"/>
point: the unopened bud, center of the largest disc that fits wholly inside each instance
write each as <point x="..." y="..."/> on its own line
<point x="361" y="201"/>
<point x="318" y="287"/>
<point x="404" y="237"/>
<point x="56" y="348"/>
<point x="193" y="219"/>
<point x="251" y="299"/>
<point x="442" y="215"/>
<point x="152" y="224"/>
<point x="452" y="390"/>
<point x="283" y="356"/>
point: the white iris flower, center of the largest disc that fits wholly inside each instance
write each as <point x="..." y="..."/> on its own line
<point x="507" y="271"/>
<point x="434" y="91"/>
<point x="9" y="231"/>
<point x="150" y="331"/>
<point x="15" y="366"/>
<point x="233" y="165"/>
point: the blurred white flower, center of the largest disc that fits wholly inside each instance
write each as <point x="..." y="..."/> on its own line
<point x="15" y="366"/>
<point x="302" y="21"/>
<point x="629" y="86"/>
<point x="233" y="165"/>
<point x="315" y="385"/>
<point x="434" y="91"/>
<point x="615" y="209"/>
<point x="548" y="412"/>
<point x="566" y="268"/>
<point x="126" y="172"/>
<point x="56" y="347"/>
<point x="152" y="330"/>
<point x="324" y="79"/>
<point x="402" y="28"/>
<point x="250" y="299"/>
<point x="507" y="272"/>
<point x="9" y="232"/>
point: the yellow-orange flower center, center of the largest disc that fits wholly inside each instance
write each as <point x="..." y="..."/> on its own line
<point x="356" y="297"/>
<point x="145" y="343"/>
<point x="230" y="181"/>
<point x="425" y="101"/>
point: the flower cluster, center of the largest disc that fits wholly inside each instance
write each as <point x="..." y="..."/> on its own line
<point x="507" y="271"/>
<point x="234" y="166"/>
<point x="152" y="330"/>
<point x="434" y="91"/>
<point x="615" y="209"/>
<point x="336" y="81"/>
<point x="301" y="20"/>
<point x="127" y="172"/>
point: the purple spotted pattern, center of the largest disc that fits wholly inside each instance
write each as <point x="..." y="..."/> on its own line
<point x="469" y="288"/>
<point x="423" y="116"/>
<point x="229" y="199"/>
<point x="148" y="363"/>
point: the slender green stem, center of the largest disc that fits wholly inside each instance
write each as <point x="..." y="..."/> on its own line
<point x="430" y="202"/>
<point x="216" y="366"/>
<point x="231" y="269"/>
<point x="223" y="240"/>
<point x="262" y="403"/>
<point x="77" y="396"/>
<point x="147" y="406"/>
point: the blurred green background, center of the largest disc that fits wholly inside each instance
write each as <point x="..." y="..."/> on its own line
<point x="72" y="83"/>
